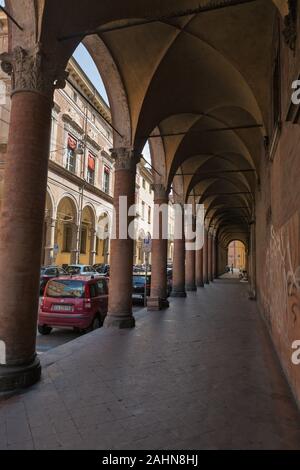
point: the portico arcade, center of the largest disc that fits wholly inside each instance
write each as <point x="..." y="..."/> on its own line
<point x="217" y="135"/>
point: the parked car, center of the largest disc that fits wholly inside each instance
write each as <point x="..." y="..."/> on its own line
<point x="79" y="302"/>
<point x="102" y="269"/>
<point x="81" y="270"/>
<point x="138" y="286"/>
<point x="49" y="272"/>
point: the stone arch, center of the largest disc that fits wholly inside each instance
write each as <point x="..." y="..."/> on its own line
<point x="158" y="158"/>
<point x="66" y="229"/>
<point x="115" y="89"/>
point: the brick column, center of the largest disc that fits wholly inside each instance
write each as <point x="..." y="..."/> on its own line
<point x="121" y="245"/>
<point x="178" y="288"/>
<point x="210" y="258"/>
<point x="199" y="268"/>
<point x="158" y="298"/>
<point x="252" y="254"/>
<point x="205" y="258"/>
<point x="190" y="263"/>
<point x="23" y="211"/>
<point x="214" y="247"/>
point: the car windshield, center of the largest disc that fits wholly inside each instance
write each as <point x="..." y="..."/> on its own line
<point x="65" y="288"/>
<point x="140" y="279"/>
<point x="102" y="269"/>
<point x="73" y="269"/>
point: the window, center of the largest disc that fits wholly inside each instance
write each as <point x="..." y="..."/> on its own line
<point x="106" y="179"/>
<point x="83" y="240"/>
<point x="91" y="169"/>
<point x="149" y="215"/>
<point x="102" y="287"/>
<point x="144" y="183"/>
<point x="50" y="272"/>
<point x="75" y="96"/>
<point x="71" y="155"/>
<point x="65" y="289"/>
<point x="53" y="137"/>
<point x="93" y="290"/>
<point x="105" y="247"/>
<point x="143" y="210"/>
<point x="67" y="238"/>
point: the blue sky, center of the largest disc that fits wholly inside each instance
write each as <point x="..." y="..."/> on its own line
<point x="87" y="64"/>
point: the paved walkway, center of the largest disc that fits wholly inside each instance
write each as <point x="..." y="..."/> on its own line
<point x="202" y="375"/>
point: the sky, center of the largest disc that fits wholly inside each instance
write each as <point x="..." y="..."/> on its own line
<point x="87" y="64"/>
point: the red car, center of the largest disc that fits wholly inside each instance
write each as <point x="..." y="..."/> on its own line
<point x="77" y="301"/>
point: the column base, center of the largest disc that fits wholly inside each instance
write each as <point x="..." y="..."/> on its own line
<point x="178" y="293"/>
<point x="156" y="303"/>
<point x="192" y="288"/>
<point x="120" y="322"/>
<point x="252" y="295"/>
<point x="14" y="378"/>
<point x="200" y="284"/>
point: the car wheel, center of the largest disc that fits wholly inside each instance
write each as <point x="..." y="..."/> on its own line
<point x="44" y="330"/>
<point x="96" y="323"/>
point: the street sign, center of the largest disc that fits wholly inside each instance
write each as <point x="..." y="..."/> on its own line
<point x="147" y="244"/>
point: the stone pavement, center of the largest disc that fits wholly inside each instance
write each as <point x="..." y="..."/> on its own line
<point x="201" y="375"/>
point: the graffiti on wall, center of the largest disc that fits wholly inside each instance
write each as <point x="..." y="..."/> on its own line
<point x="281" y="280"/>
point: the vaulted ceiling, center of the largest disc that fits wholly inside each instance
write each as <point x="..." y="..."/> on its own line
<point x="183" y="79"/>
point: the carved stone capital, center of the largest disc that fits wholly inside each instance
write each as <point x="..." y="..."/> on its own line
<point x="31" y="70"/>
<point x="178" y="199"/>
<point x="160" y="191"/>
<point x="124" y="158"/>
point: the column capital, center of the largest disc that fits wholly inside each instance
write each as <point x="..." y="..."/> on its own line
<point x="179" y="200"/>
<point x="160" y="191"/>
<point x="125" y="158"/>
<point x="31" y="70"/>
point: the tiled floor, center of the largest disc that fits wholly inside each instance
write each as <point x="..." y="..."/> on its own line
<point x="201" y="375"/>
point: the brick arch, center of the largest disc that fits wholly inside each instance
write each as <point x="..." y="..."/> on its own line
<point x="115" y="89"/>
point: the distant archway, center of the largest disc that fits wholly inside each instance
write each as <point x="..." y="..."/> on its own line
<point x="237" y="255"/>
